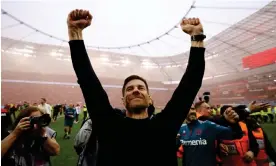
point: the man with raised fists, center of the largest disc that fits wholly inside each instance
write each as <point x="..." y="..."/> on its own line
<point x="137" y="139"/>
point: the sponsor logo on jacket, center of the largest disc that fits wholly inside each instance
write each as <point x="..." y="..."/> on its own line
<point x="194" y="142"/>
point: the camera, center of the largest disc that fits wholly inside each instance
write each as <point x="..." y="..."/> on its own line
<point x="41" y="121"/>
<point x="206" y="96"/>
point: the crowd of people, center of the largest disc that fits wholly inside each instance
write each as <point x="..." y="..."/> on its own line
<point x="216" y="146"/>
<point x="193" y="132"/>
<point x="240" y="141"/>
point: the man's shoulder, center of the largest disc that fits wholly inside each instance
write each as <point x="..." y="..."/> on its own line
<point x="204" y="118"/>
<point x="208" y="122"/>
<point x="183" y="127"/>
<point x="210" y="125"/>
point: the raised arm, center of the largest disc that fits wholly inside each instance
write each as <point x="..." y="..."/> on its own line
<point x="95" y="96"/>
<point x="179" y="105"/>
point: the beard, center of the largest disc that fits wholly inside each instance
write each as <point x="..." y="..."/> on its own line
<point x="191" y="116"/>
<point x="137" y="108"/>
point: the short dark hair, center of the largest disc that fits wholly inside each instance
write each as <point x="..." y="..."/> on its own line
<point x="133" y="77"/>
<point x="44" y="99"/>
<point x="198" y="104"/>
<point x="223" y="109"/>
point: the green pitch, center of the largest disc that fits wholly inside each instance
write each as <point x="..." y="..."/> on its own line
<point x="68" y="156"/>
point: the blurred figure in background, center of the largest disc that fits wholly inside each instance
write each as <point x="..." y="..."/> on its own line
<point x="12" y="110"/>
<point x="69" y="114"/>
<point x="84" y="109"/>
<point x="45" y="107"/>
<point x="57" y="109"/>
<point x="270" y="114"/>
<point x="26" y="105"/>
<point x="64" y="107"/>
<point x="257" y="110"/>
<point x="78" y="111"/>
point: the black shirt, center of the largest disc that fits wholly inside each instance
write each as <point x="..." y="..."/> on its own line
<point x="136" y="142"/>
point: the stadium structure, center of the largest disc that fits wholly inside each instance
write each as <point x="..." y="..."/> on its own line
<point x="240" y="66"/>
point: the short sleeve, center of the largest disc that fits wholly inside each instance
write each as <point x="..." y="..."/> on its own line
<point x="51" y="133"/>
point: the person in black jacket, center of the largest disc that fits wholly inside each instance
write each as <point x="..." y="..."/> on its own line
<point x="135" y="139"/>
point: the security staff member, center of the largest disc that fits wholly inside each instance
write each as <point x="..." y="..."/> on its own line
<point x="266" y="149"/>
<point x="240" y="152"/>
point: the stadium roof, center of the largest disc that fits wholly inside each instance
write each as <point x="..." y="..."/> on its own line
<point x="151" y="24"/>
<point x="235" y="30"/>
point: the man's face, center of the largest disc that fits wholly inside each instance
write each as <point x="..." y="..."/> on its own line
<point x="205" y="110"/>
<point x="71" y="106"/>
<point x="42" y="101"/>
<point x="136" y="97"/>
<point x="192" y="114"/>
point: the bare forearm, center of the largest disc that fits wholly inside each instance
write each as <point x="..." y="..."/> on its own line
<point x="6" y="143"/>
<point x="51" y="146"/>
<point x="197" y="44"/>
<point x="75" y="34"/>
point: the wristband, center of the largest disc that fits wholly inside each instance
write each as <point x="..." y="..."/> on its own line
<point x="199" y="37"/>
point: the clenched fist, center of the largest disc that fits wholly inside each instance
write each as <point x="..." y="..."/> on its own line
<point x="192" y="26"/>
<point x="79" y="19"/>
<point x="248" y="156"/>
<point x="230" y="115"/>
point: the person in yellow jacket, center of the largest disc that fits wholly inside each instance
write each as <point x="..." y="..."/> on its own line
<point x="270" y="114"/>
<point x="214" y="112"/>
<point x="256" y="110"/>
<point x="264" y="115"/>
<point x="84" y="109"/>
